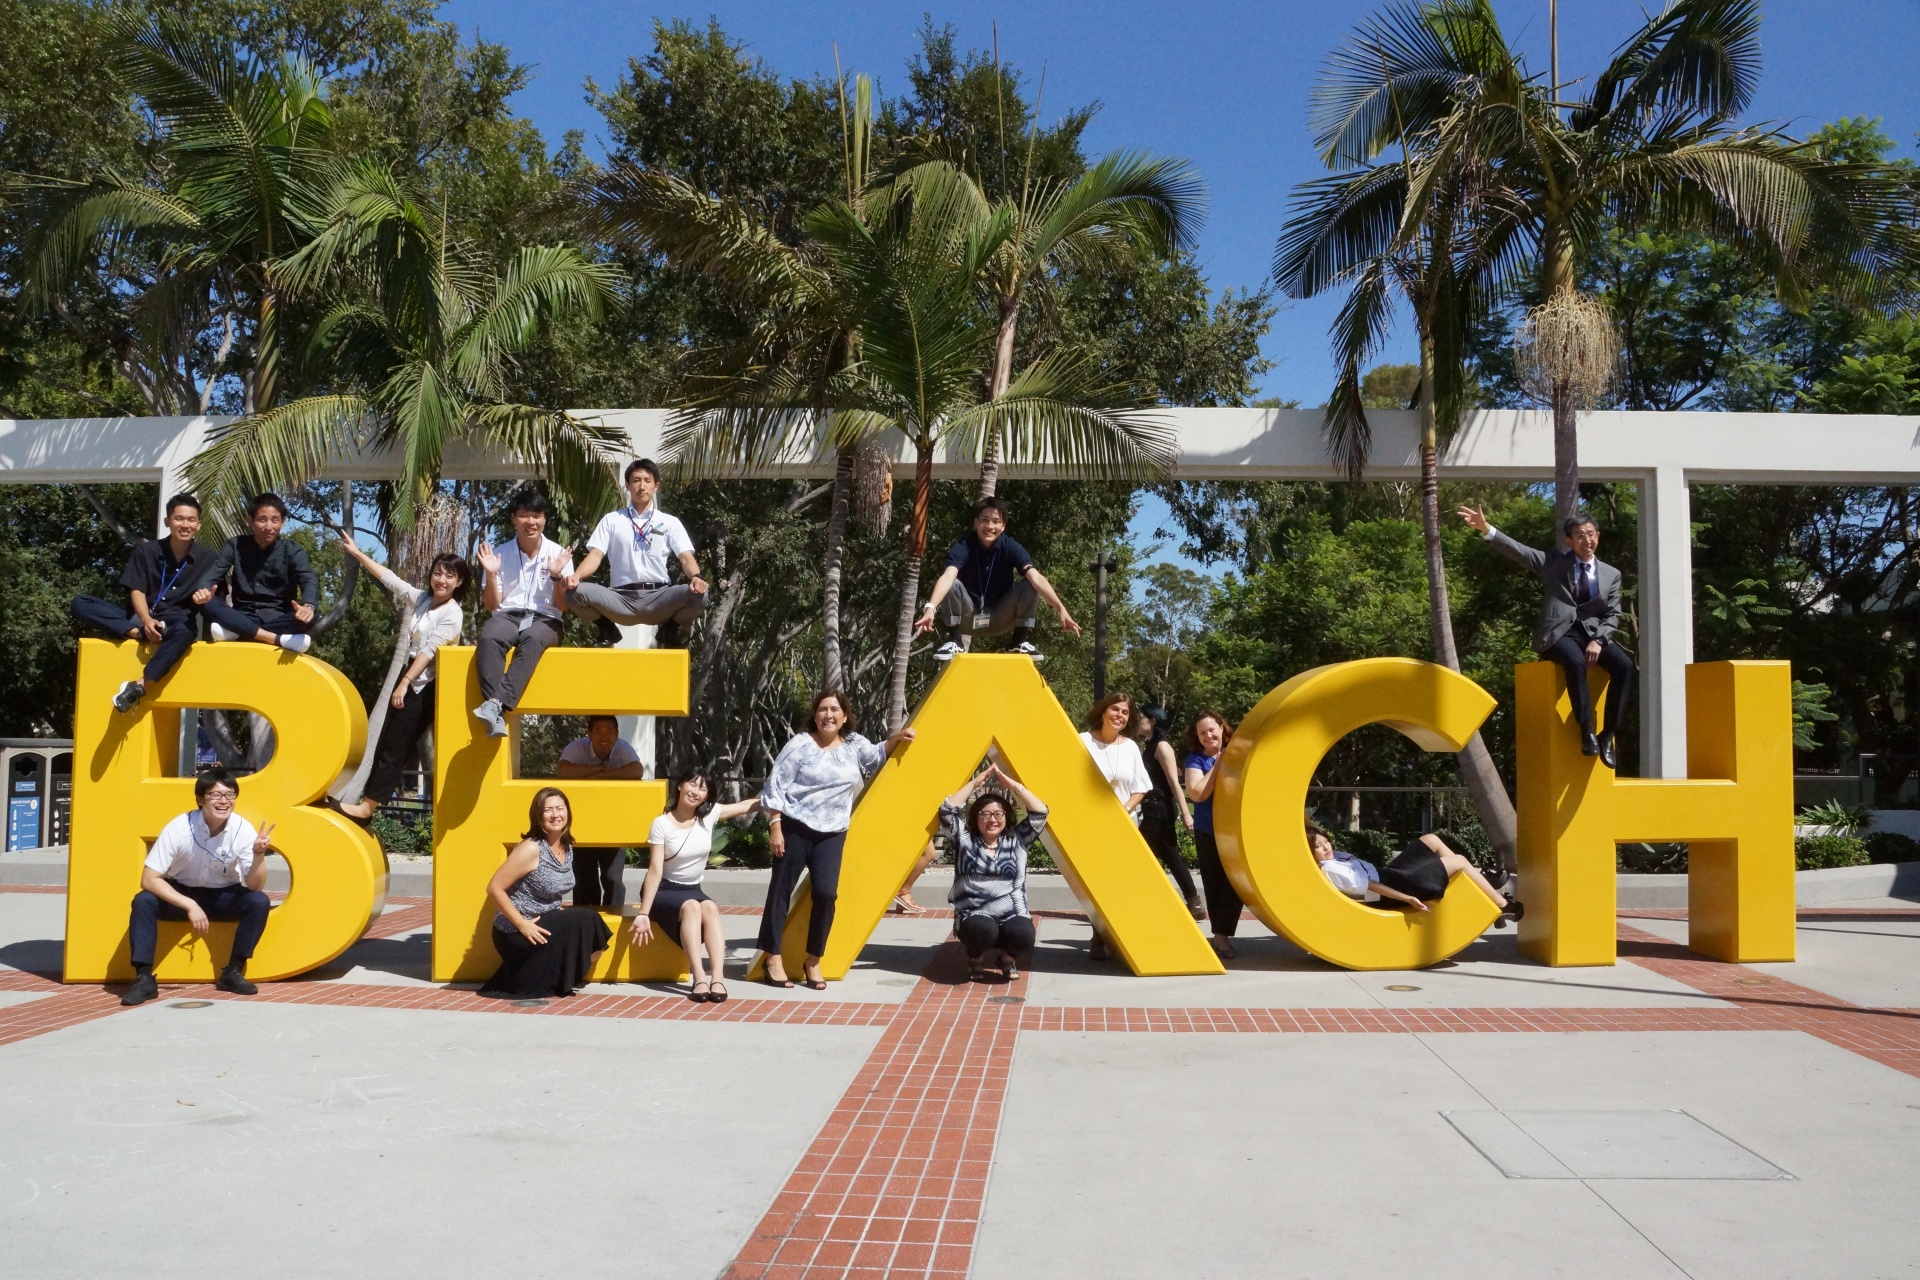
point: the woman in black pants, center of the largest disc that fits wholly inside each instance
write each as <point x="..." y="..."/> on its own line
<point x="989" y="892"/>
<point x="1166" y="804"/>
<point x="1206" y="739"/>
<point x="809" y="799"/>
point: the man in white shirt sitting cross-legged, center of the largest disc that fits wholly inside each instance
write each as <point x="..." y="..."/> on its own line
<point x="638" y="542"/>
<point x="209" y="864"/>
<point x="525" y="593"/>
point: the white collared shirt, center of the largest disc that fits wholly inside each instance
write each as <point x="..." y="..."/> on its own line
<point x="186" y="852"/>
<point x="525" y="581"/>
<point x="580" y="751"/>
<point x="640" y="546"/>
<point x="1350" y="875"/>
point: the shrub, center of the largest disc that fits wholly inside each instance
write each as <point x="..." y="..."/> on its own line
<point x="1845" y="820"/>
<point x="1812" y="853"/>
<point x="1651" y="859"/>
<point x="1377" y="847"/>
<point x="402" y="836"/>
<point x="1891" y="846"/>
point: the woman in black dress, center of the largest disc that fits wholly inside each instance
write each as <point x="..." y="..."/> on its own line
<point x="1165" y="805"/>
<point x="545" y="949"/>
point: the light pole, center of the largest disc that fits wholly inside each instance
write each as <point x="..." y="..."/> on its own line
<point x="1105" y="565"/>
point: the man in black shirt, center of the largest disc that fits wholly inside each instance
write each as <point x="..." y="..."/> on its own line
<point x="273" y="584"/>
<point x="990" y="588"/>
<point x="161" y="577"/>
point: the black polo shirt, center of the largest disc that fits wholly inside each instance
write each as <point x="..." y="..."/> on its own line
<point x="988" y="572"/>
<point x="165" y="582"/>
<point x="270" y="578"/>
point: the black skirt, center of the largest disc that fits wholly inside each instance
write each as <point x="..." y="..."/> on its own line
<point x="552" y="968"/>
<point x="667" y="900"/>
<point x="1416" y="871"/>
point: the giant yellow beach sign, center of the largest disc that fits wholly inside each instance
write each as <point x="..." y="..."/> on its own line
<point x="1735" y="809"/>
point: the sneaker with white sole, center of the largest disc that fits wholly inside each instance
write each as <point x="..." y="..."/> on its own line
<point x="946" y="651"/>
<point x="296" y="643"/>
<point x="1025" y="649"/>
<point x="488" y="713"/>
<point x="129" y="696"/>
<point x="219" y="633"/>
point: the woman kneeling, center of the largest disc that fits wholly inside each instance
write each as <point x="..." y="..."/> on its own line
<point x="1418" y="874"/>
<point x="682" y="839"/>
<point x="545" y="949"/>
<point x="989" y="893"/>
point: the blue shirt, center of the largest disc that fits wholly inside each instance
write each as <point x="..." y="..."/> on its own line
<point x="1202" y="809"/>
<point x="816" y="787"/>
<point x="988" y="572"/>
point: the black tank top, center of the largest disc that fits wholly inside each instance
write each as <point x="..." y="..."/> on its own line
<point x="1159" y="800"/>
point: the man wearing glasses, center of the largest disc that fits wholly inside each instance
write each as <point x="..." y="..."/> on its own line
<point x="637" y="543"/>
<point x="208" y="864"/>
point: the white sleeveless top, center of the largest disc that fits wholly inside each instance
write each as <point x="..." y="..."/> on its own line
<point x="686" y="847"/>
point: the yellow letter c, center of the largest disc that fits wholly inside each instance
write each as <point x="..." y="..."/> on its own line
<point x="1261" y="798"/>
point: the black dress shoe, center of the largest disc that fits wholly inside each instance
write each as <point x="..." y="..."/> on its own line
<point x="1589" y="745"/>
<point x="1608" y="756"/>
<point x="606" y="632"/>
<point x="667" y="636"/>
<point x="234" y="982"/>
<point x="145" y="987"/>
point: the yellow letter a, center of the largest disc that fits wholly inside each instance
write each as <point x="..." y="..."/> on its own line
<point x="999" y="701"/>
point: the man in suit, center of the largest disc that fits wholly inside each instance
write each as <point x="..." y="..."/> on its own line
<point x="1577" y="621"/>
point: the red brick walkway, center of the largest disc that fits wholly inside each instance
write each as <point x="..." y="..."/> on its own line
<point x="894" y="1183"/>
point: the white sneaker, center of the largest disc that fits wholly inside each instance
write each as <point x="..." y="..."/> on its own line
<point x="946" y="651"/>
<point x="488" y="713"/>
<point x="296" y="643"/>
<point x="219" y="633"/>
<point x="1026" y="649"/>
<point x="129" y="696"/>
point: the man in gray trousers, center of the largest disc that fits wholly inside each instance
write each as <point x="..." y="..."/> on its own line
<point x="637" y="543"/>
<point x="1577" y="621"/>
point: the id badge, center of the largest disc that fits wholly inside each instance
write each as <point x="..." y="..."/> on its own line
<point x="981" y="621"/>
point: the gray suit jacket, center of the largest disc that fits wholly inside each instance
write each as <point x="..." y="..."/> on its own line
<point x="1561" y="611"/>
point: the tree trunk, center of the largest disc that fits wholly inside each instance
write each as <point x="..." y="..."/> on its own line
<point x="836" y="552"/>
<point x="1556" y="259"/>
<point x="997" y="383"/>
<point x="1477" y="772"/>
<point x="910" y="582"/>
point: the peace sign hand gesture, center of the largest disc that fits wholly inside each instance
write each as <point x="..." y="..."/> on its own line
<point x="263" y="839"/>
<point x="1475" y="516"/>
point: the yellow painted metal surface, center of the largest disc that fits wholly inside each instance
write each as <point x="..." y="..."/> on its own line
<point x="1261" y="798"/>
<point x="999" y="702"/>
<point x="1735" y="811"/>
<point x="124" y="792"/>
<point x="480" y="805"/>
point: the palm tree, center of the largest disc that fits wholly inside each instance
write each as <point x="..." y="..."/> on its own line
<point x="1348" y="229"/>
<point x="1125" y="201"/>
<point x="417" y="340"/>
<point x="1652" y="143"/>
<point x="240" y="182"/>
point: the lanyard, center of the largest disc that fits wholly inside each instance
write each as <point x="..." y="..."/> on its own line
<point x="166" y="583"/>
<point x="642" y="533"/>
<point x="986" y="576"/>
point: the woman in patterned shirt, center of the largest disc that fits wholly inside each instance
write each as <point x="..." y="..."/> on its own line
<point x="989" y="893"/>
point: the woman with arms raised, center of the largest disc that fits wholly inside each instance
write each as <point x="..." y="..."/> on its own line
<point x="545" y="949"/>
<point x="989" y="892"/>
<point x="672" y="898"/>
<point x="809" y="802"/>
<point x="1206" y="739"/>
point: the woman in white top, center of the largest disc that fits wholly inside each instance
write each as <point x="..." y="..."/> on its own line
<point x="1418" y="874"/>
<point x="434" y="621"/>
<point x="1119" y="760"/>
<point x="672" y="898"/>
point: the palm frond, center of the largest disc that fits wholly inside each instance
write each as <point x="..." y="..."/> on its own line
<point x="283" y="447"/>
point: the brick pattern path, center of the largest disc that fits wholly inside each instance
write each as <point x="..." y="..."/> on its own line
<point x="894" y="1183"/>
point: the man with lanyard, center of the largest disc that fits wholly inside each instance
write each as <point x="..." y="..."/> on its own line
<point x="598" y="874"/>
<point x="273" y="583"/>
<point x="1577" y="622"/>
<point x="161" y="577"/>
<point x="207" y="864"/>
<point x="525" y="591"/>
<point x="637" y="542"/>
<point x="990" y="588"/>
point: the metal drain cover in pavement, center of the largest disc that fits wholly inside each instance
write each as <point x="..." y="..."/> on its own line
<point x="1607" y="1144"/>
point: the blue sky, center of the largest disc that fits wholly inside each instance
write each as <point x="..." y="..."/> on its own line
<point x="1224" y="85"/>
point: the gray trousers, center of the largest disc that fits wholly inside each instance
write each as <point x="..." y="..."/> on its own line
<point x="499" y="682"/>
<point x="1014" y="609"/>
<point x="629" y="606"/>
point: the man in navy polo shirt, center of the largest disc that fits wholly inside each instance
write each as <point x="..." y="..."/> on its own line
<point x="989" y="588"/>
<point x="161" y="578"/>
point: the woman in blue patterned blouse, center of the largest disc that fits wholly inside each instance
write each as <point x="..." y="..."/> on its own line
<point x="989" y="893"/>
<point x="809" y="804"/>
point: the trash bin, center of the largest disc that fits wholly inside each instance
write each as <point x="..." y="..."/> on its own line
<point x="26" y="799"/>
<point x="60" y="799"/>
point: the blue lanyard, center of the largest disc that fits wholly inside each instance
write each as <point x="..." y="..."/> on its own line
<point x="986" y="576"/>
<point x="166" y="583"/>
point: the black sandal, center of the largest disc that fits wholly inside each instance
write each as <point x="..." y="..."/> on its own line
<point x="328" y="802"/>
<point x="771" y="981"/>
<point x="696" y="995"/>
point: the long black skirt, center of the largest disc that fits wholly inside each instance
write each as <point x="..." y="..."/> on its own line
<point x="1417" y="871"/>
<point x="555" y="967"/>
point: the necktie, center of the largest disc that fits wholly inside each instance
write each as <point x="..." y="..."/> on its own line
<point x="1586" y="582"/>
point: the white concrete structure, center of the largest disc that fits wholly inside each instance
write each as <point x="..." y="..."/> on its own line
<point x="1661" y="452"/>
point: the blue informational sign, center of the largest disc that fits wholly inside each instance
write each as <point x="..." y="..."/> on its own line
<point x="23" y="822"/>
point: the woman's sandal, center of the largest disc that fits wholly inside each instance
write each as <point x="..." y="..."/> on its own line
<point x="329" y="802"/>
<point x="716" y="992"/>
<point x="771" y="981"/>
<point x="1010" y="970"/>
<point x="906" y="906"/>
<point x="1222" y="947"/>
<point x="814" y="984"/>
<point x="698" y="996"/>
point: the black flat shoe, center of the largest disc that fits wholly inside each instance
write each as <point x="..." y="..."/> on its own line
<point x="1589" y="745"/>
<point x="716" y="993"/>
<point x="698" y="996"/>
